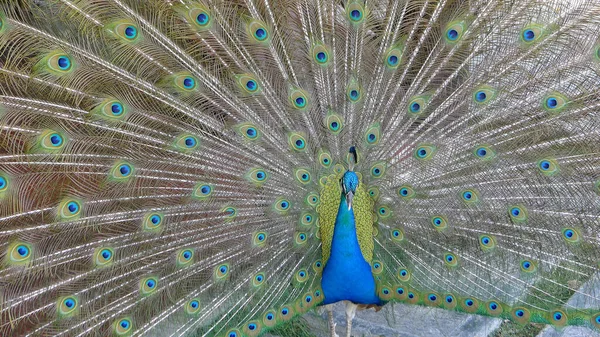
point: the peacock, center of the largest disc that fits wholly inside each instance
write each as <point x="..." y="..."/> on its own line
<point x="224" y="167"/>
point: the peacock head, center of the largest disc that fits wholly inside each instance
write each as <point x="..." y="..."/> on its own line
<point x="349" y="184"/>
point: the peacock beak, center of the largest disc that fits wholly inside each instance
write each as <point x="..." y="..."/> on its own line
<point x="349" y="196"/>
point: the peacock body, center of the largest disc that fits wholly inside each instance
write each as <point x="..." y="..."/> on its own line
<point x="220" y="167"/>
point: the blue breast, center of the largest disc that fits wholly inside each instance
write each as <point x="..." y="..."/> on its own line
<point x="347" y="276"/>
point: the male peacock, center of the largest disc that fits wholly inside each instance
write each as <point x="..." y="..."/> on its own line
<point x="218" y="167"/>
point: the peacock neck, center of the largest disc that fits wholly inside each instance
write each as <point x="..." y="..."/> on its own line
<point x="347" y="275"/>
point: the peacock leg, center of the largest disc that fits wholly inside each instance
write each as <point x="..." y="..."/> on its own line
<point x="329" y="308"/>
<point x="350" y="312"/>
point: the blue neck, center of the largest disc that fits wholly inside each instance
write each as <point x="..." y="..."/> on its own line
<point x="347" y="276"/>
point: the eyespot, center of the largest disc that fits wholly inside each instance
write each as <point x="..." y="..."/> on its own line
<point x="412" y="297"/>
<point x="470" y="305"/>
<point x="253" y="328"/>
<point x="110" y="109"/>
<point x="67" y="306"/>
<point x="3" y="184"/>
<point x="200" y="18"/>
<point x="123" y="326"/>
<point x="372" y="135"/>
<point x="401" y="293"/>
<point x="269" y="318"/>
<point x="469" y="196"/>
<point x="258" y="31"/>
<point x="417" y="104"/>
<point x="517" y="213"/>
<point x="128" y="32"/>
<point x="257" y="176"/>
<point x="450" y="260"/>
<point x="384" y="212"/>
<point x="558" y="318"/>
<point x="334" y="123"/>
<point x="355" y="13"/>
<point x="203" y="191"/>
<point x="259" y="239"/>
<point x="152" y="222"/>
<point x="321" y="54"/>
<point x="439" y="222"/>
<point x="487" y="242"/>
<point x="121" y="171"/>
<point x="103" y="256"/>
<point x="306" y="219"/>
<point x="325" y="158"/>
<point x="528" y="266"/>
<point x="148" y="285"/>
<point x="531" y="33"/>
<point x="302" y="175"/>
<point x="248" y="83"/>
<point x="300" y="238"/>
<point x="56" y="63"/>
<point x="454" y="31"/>
<point x="286" y="313"/>
<point x="248" y="131"/>
<point x="354" y="92"/>
<point x="425" y="152"/>
<point x="595" y="319"/>
<point x="233" y="333"/>
<point x="222" y="271"/>
<point x="373" y="192"/>
<point x="571" y="235"/>
<point x="185" y="257"/>
<point x="484" y="94"/>
<point x="318" y="266"/>
<point x="282" y="205"/>
<point x="185" y="82"/>
<point x="406" y="192"/>
<point x="548" y="167"/>
<point x="297" y="141"/>
<point x="484" y="152"/>
<point x="377" y="267"/>
<point x="258" y="279"/>
<point x="312" y="199"/>
<point x="192" y="307"/>
<point x="493" y="308"/>
<point x="555" y="102"/>
<point x="449" y="301"/>
<point x="403" y="274"/>
<point x="397" y="235"/>
<point x="19" y="253"/>
<point x="299" y="99"/>
<point x="301" y="275"/>
<point x="520" y="315"/>
<point x="432" y="299"/>
<point x="69" y="209"/>
<point x="51" y="141"/>
<point x="393" y="57"/>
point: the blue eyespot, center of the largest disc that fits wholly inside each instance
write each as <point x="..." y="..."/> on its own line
<point x="302" y="237"/>
<point x="545" y="165"/>
<point x="415" y="107"/>
<point x="124" y="324"/>
<point x="22" y="250"/>
<point x="233" y="334"/>
<point x="56" y="139"/>
<point x="469" y="302"/>
<point x="150" y="283"/>
<point x="259" y="278"/>
<point x="569" y="233"/>
<point x="422" y="153"/>
<point x="449" y="299"/>
<point x="354" y="94"/>
<point x="260" y="34"/>
<point x="400" y="291"/>
<point x="73" y="207"/>
<point x="284" y="204"/>
<point x="188" y="83"/>
<point x="2" y="182"/>
<point x="308" y="218"/>
<point x="485" y="240"/>
<point x="270" y="316"/>
<point x="300" y="143"/>
<point x="355" y="15"/>
<point x="557" y="316"/>
<point x="202" y="19"/>
<point x="251" y="326"/>
<point x="437" y="221"/>
<point x="403" y="272"/>
<point x="515" y="211"/>
<point x="598" y="319"/>
<point x="467" y="195"/>
<point x="404" y="191"/>
<point x="393" y="60"/>
<point x="321" y="57"/>
<point x="520" y="313"/>
<point x="116" y="109"/>
<point x="551" y="102"/>
<point x="284" y="311"/>
<point x="493" y="306"/>
<point x="69" y="303"/>
<point x="480" y="96"/>
<point x="64" y="63"/>
<point x="526" y="264"/>
<point x="205" y="189"/>
<point x="260" y="175"/>
<point x="300" y="101"/>
<point x="528" y="35"/>
<point x="125" y="169"/>
<point x="432" y="297"/>
<point x="371" y="137"/>
<point x="130" y="32"/>
<point x="251" y="85"/>
<point x="223" y="269"/>
<point x="194" y="304"/>
<point x="452" y="34"/>
<point x="187" y="255"/>
<point x="411" y="295"/>
<point x="261" y="237"/>
<point x="449" y="258"/>
<point x="155" y="219"/>
<point x="106" y="254"/>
